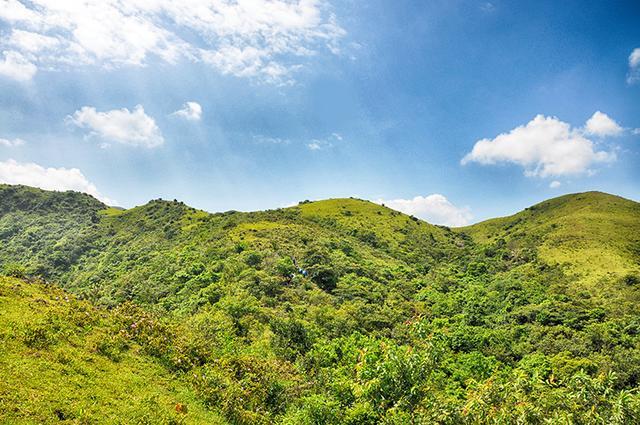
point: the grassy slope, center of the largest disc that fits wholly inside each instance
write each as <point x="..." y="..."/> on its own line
<point x="53" y="370"/>
<point x="595" y="235"/>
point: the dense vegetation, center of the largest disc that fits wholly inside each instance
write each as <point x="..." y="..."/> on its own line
<point x="338" y="311"/>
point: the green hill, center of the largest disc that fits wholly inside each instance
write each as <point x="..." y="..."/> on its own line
<point x="339" y="312"/>
<point x="595" y="235"/>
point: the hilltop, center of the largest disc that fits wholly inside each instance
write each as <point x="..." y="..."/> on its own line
<point x="336" y="311"/>
<point x="596" y="235"/>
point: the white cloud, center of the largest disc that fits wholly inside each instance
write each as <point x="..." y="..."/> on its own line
<point x="329" y="142"/>
<point x="32" y="41"/>
<point x="435" y="208"/>
<point x="134" y="128"/>
<point x="261" y="39"/>
<point x="634" y="66"/>
<point x="600" y="124"/>
<point x="636" y="131"/>
<point x="316" y="145"/>
<point x="545" y="147"/>
<point x="61" y="179"/>
<point x="555" y="184"/>
<point x="17" y="67"/>
<point x="11" y="143"/>
<point x="191" y="111"/>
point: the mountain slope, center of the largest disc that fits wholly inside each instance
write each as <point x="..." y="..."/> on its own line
<point x="167" y="253"/>
<point x="595" y="235"/>
<point x="43" y="230"/>
<point x="338" y="312"/>
<point x="63" y="360"/>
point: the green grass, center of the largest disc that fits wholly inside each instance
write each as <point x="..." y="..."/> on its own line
<point x="54" y="368"/>
<point x="111" y="211"/>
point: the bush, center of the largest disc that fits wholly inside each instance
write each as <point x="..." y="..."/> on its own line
<point x="14" y="270"/>
<point x="631" y="279"/>
<point x="38" y="336"/>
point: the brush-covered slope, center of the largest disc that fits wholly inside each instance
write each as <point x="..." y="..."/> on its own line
<point x="340" y="312"/>
<point x="595" y="235"/>
<point x="64" y="361"/>
<point x="166" y="253"/>
<point x="44" y="230"/>
<point x="399" y="234"/>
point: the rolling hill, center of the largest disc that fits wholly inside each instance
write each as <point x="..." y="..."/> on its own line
<point x="595" y="234"/>
<point x="335" y="311"/>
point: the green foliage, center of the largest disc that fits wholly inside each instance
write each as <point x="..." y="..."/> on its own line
<point x="331" y="312"/>
<point x="14" y="270"/>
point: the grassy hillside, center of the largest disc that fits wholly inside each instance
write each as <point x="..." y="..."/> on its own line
<point x="595" y="235"/>
<point x="62" y="360"/>
<point x="335" y="312"/>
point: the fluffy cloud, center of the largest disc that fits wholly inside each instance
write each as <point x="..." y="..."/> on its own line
<point x="435" y="208"/>
<point x="134" y="128"/>
<point x="555" y="184"/>
<point x="634" y="66"/>
<point x="17" y="67"/>
<point x="261" y="39"/>
<point x="191" y="111"/>
<point x="11" y="143"/>
<point x="545" y="147"/>
<point x="600" y="124"/>
<point x="31" y="174"/>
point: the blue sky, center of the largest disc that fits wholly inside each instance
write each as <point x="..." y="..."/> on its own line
<point x="455" y="111"/>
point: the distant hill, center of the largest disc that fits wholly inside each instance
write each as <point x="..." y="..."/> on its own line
<point x="596" y="235"/>
<point x="339" y="311"/>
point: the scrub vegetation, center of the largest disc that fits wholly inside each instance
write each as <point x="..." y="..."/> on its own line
<point x="331" y="312"/>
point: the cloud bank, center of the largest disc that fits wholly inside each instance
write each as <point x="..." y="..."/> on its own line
<point x="17" y="67"/>
<point x="435" y="209"/>
<point x="61" y="179"/>
<point x="326" y="143"/>
<point x="11" y="143"/>
<point x="600" y="124"/>
<point x="261" y="39"/>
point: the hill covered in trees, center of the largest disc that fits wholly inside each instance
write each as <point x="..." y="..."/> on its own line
<point x="339" y="311"/>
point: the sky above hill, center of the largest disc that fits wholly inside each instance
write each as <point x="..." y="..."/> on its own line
<point x="454" y="111"/>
